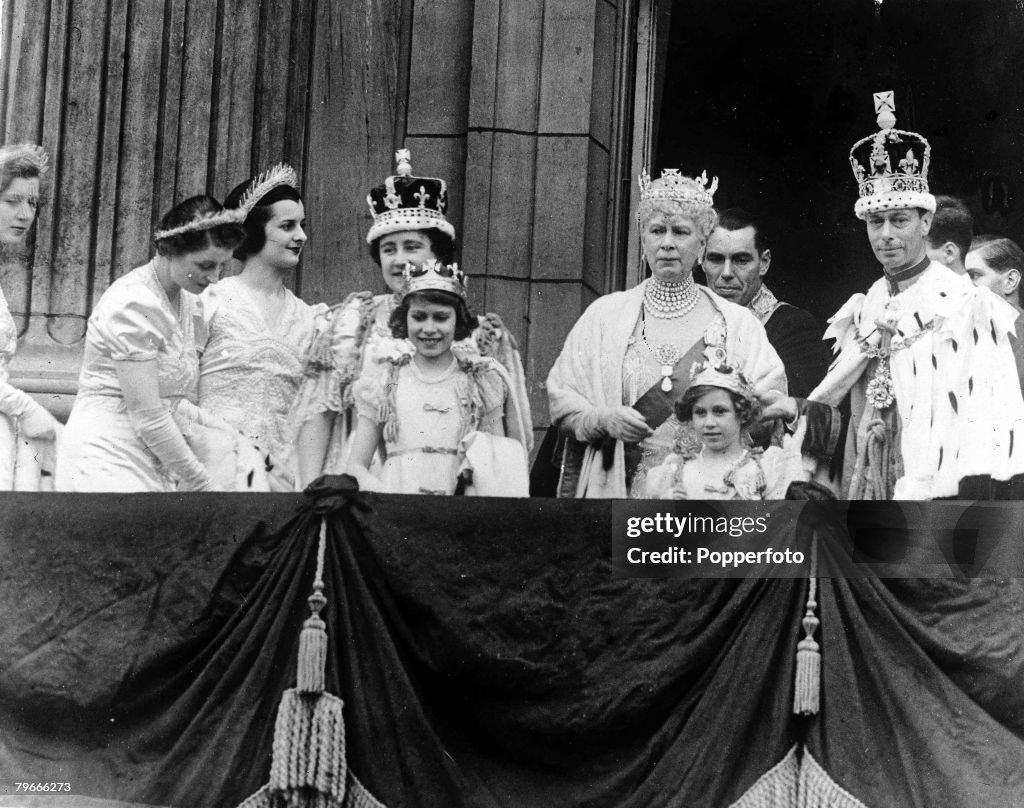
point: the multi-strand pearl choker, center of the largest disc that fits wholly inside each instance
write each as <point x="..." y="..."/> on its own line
<point x="667" y="301"/>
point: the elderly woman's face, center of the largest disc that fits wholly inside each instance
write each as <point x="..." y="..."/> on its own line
<point x="672" y="244"/>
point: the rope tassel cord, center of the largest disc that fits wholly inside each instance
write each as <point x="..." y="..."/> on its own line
<point x="308" y="767"/>
<point x="309" y="742"/>
<point x="313" y="639"/>
<point x="807" y="693"/>
<point x="807" y="688"/>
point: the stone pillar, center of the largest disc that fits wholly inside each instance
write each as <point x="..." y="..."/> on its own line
<point x="519" y="104"/>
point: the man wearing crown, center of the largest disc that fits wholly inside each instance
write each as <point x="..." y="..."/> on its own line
<point x="923" y="355"/>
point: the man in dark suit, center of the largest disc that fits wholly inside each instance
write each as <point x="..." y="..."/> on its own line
<point x="949" y="239"/>
<point x="738" y="257"/>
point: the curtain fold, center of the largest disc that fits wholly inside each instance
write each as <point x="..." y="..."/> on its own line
<point x="923" y="691"/>
<point x="486" y="657"/>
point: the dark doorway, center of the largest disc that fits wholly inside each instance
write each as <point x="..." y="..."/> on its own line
<point x="771" y="94"/>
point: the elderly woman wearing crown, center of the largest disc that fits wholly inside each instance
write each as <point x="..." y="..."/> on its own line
<point x="409" y="228"/>
<point x="27" y="430"/>
<point x="626" y="361"/>
<point x="924" y="356"/>
<point x="135" y="425"/>
<point x="259" y="332"/>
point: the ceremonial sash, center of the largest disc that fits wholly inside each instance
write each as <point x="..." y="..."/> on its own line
<point x="656" y="405"/>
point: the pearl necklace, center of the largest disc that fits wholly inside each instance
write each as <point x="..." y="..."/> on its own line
<point x="669" y="301"/>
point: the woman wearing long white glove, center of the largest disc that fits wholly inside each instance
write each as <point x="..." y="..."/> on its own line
<point x="135" y="417"/>
<point x="27" y="435"/>
<point x="27" y="430"/>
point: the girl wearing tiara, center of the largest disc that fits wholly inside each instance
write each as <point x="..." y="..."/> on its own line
<point x="409" y="228"/>
<point x="721" y="405"/>
<point x="259" y="331"/>
<point x="422" y="405"/>
<point x="27" y="430"/>
<point x="135" y="423"/>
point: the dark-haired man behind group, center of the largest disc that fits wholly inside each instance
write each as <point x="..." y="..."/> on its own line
<point x="738" y="256"/>
<point x="949" y="239"/>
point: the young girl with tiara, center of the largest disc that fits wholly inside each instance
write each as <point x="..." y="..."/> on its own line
<point x="721" y="406"/>
<point x="426" y="406"/>
<point x="409" y="227"/>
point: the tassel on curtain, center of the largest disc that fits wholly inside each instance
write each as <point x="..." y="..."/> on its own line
<point x="308" y="767"/>
<point x="807" y="688"/>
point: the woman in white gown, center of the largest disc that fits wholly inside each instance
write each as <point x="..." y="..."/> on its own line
<point x="135" y="425"/>
<point x="27" y="430"/>
<point x="259" y="331"/>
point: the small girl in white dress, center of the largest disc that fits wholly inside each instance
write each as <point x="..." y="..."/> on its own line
<point x="721" y="405"/>
<point x="409" y="227"/>
<point x="422" y="405"/>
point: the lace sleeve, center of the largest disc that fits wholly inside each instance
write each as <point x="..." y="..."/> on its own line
<point x="495" y="393"/>
<point x="369" y="394"/>
<point x="334" y="358"/>
<point x="495" y="340"/>
<point x="488" y="400"/>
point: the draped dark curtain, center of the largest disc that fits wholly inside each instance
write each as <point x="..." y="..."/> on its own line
<point x="486" y="657"/>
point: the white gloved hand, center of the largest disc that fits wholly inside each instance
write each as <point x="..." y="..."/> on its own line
<point x="34" y="420"/>
<point x="621" y="423"/>
<point x="186" y="414"/>
<point x="776" y="405"/>
<point x="163" y="438"/>
<point x="366" y="479"/>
